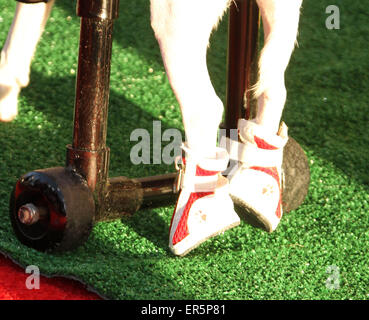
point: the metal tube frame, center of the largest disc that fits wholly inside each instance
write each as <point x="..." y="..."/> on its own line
<point x="89" y="155"/>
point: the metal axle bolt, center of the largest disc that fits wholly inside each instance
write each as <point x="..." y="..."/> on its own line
<point x="29" y="214"/>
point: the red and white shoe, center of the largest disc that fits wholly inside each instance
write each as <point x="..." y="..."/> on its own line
<point x="204" y="208"/>
<point x="256" y="186"/>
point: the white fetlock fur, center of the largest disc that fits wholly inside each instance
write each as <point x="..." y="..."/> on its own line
<point x="204" y="208"/>
<point x="256" y="186"/>
<point x="9" y="91"/>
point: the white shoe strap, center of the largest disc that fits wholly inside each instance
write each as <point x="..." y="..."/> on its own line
<point x="250" y="155"/>
<point x="248" y="129"/>
<point x="201" y="183"/>
<point x="193" y="183"/>
<point x="219" y="163"/>
<point x="188" y="179"/>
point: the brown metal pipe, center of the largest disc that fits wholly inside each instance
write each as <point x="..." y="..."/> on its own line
<point x="125" y="196"/>
<point x="88" y="154"/>
<point x="104" y="9"/>
<point x="159" y="190"/>
<point x="92" y="88"/>
<point x="243" y="30"/>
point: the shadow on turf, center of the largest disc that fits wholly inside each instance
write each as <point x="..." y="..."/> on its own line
<point x="131" y="29"/>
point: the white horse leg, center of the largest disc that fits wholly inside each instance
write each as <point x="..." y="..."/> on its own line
<point x="16" y="56"/>
<point x="257" y="184"/>
<point x="204" y="207"/>
<point x="183" y="28"/>
<point x="280" y="21"/>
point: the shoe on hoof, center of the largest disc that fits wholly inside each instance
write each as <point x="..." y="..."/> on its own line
<point x="204" y="208"/>
<point x="256" y="185"/>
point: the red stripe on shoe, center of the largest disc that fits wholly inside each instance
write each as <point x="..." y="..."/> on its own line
<point x="272" y="171"/>
<point x="262" y="144"/>
<point x="182" y="227"/>
<point x="200" y="172"/>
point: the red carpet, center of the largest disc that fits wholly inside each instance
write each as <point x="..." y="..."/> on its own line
<point x="13" y="286"/>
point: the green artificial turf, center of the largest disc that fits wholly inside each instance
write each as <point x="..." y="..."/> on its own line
<point x="326" y="111"/>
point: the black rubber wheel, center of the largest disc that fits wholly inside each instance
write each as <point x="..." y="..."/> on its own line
<point x="296" y="176"/>
<point x="67" y="205"/>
